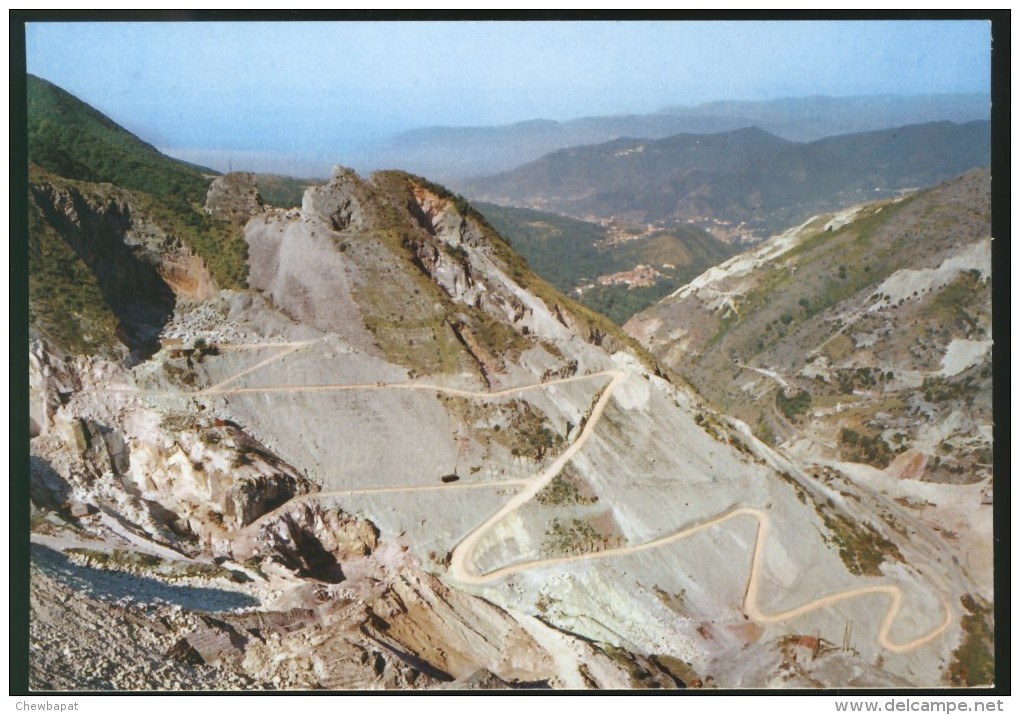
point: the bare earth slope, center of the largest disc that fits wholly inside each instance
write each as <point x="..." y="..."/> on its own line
<point x="860" y="343"/>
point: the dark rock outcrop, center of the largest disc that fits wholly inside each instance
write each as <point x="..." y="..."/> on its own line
<point x="313" y="540"/>
<point x="342" y="204"/>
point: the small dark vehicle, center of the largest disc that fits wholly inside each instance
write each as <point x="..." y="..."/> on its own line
<point x="450" y="478"/>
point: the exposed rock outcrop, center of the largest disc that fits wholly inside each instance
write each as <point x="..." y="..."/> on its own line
<point x="297" y="260"/>
<point x="341" y="204"/>
<point x="311" y="540"/>
<point x="50" y="384"/>
<point x="233" y="197"/>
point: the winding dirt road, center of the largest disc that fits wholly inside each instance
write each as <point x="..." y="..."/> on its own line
<point x="461" y="568"/>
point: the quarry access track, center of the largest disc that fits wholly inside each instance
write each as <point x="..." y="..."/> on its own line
<point x="460" y="567"/>
<point x="464" y="573"/>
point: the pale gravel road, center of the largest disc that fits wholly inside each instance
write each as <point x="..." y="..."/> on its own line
<point x="461" y="569"/>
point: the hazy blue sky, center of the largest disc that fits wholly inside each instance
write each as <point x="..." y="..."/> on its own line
<point x="280" y="87"/>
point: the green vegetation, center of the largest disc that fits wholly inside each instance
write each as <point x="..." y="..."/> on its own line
<point x="839" y="264"/>
<point x="221" y="246"/>
<point x="728" y="320"/>
<point x="564" y="490"/>
<point x="763" y="431"/>
<point x="562" y="250"/>
<point x="852" y="379"/>
<point x="802" y="494"/>
<point x="860" y="546"/>
<point x="973" y="661"/>
<point x="793" y="406"/>
<point x="284" y="192"/>
<point x="938" y="390"/>
<point x="416" y="334"/>
<point x="255" y="564"/>
<point x="672" y="672"/>
<point x="498" y="337"/>
<point x="576" y="536"/>
<point x="680" y="670"/>
<point x="839" y="347"/>
<point x="424" y="344"/>
<point x="620" y="303"/>
<point x="962" y="290"/>
<point x="72" y="148"/>
<point x="798" y="305"/>
<point x="712" y="427"/>
<point x="64" y="297"/>
<point x="865" y="448"/>
<point x="869" y="257"/>
<point x="70" y="138"/>
<point x="529" y="431"/>
<point x="514" y="424"/>
<point x="961" y="306"/>
<point x="434" y="334"/>
<point x="462" y="205"/>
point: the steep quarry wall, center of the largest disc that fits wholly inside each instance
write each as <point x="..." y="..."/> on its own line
<point x="296" y="259"/>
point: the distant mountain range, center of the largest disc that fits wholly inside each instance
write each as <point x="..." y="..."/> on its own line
<point x="453" y="154"/>
<point x="747" y="176"/>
